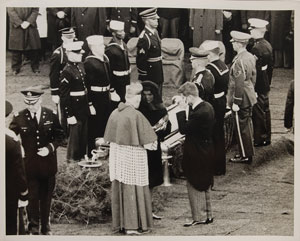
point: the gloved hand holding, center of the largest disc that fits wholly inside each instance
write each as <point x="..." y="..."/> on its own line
<point x="72" y="120"/>
<point x="25" y="25"/>
<point x="235" y="107"/>
<point x="92" y="110"/>
<point x="44" y="151"/>
<point x="55" y="99"/>
<point x="22" y="204"/>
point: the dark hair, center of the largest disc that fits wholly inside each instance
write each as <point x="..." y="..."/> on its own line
<point x="153" y="88"/>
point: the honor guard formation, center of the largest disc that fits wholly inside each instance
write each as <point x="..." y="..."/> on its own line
<point x="232" y="54"/>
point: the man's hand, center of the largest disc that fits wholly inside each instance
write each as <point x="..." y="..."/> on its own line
<point x="72" y="120"/>
<point x="235" y="107"/>
<point x="60" y="14"/>
<point x="217" y="31"/>
<point x="55" y="99"/>
<point x="25" y="25"/>
<point x="132" y="29"/>
<point x="92" y="110"/>
<point x="244" y="26"/>
<point x="44" y="151"/>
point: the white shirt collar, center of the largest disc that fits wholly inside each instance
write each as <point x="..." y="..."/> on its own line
<point x="38" y="114"/>
<point x="196" y="103"/>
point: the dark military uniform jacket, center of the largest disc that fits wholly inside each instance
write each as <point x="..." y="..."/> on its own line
<point x="149" y="59"/>
<point x="98" y="76"/>
<point x="119" y="63"/>
<point x="126" y="15"/>
<point x="47" y="133"/>
<point x="58" y="61"/>
<point x="205" y="81"/>
<point x="220" y="72"/>
<point x="242" y="77"/>
<point x="263" y="52"/>
<point x="73" y="92"/>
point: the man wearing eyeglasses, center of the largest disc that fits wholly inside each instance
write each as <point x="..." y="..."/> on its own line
<point x="40" y="134"/>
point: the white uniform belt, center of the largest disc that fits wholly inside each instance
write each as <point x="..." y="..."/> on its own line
<point x="77" y="93"/>
<point x="100" y="88"/>
<point x="121" y="73"/>
<point x="156" y="59"/>
<point x="264" y="67"/>
<point x="219" y="95"/>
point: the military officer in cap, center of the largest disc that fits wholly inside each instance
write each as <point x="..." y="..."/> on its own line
<point x="220" y="72"/>
<point x="202" y="77"/>
<point x="40" y="134"/>
<point x="58" y="61"/>
<point x="15" y="178"/>
<point x="241" y="95"/>
<point x="117" y="53"/>
<point x="263" y="52"/>
<point x="149" y="59"/>
<point x="74" y="101"/>
<point x="98" y="78"/>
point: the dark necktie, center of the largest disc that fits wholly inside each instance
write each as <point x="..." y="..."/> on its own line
<point x="35" y="119"/>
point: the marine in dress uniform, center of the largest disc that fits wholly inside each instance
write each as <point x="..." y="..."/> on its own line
<point x="126" y="15"/>
<point x="203" y="78"/>
<point x="263" y="52"/>
<point x="98" y="77"/>
<point x="40" y="134"/>
<point x="149" y="59"/>
<point x="117" y="53"/>
<point x="198" y="152"/>
<point x="74" y="101"/>
<point x="241" y="95"/>
<point x="15" y="178"/>
<point x="58" y="61"/>
<point x="220" y="72"/>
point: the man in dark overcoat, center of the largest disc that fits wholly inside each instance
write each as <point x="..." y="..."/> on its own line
<point x="40" y="134"/>
<point x="23" y="36"/>
<point x="198" y="151"/>
<point x="74" y="101"/>
<point x="117" y="53"/>
<point x="263" y="52"/>
<point x="15" y="178"/>
<point x="241" y="95"/>
<point x="98" y="78"/>
<point x="149" y="59"/>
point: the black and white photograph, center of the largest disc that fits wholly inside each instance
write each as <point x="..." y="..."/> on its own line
<point x="150" y="118"/>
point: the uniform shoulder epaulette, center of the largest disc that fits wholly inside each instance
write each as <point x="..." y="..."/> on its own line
<point x="16" y="114"/>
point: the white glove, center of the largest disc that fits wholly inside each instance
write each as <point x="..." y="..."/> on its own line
<point x="235" y="107"/>
<point x="72" y="120"/>
<point x="217" y="31"/>
<point x="151" y="146"/>
<point x="60" y="14"/>
<point x="22" y="204"/>
<point x="92" y="110"/>
<point x="256" y="95"/>
<point x="227" y="14"/>
<point x="55" y="99"/>
<point x="25" y="24"/>
<point x="44" y="151"/>
<point x="114" y="96"/>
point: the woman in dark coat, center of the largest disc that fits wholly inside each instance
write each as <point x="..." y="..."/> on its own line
<point x="153" y="109"/>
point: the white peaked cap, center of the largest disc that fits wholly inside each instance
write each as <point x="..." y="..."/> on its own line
<point x="116" y="25"/>
<point x="209" y="45"/>
<point x="257" y="23"/>
<point x="95" y="40"/>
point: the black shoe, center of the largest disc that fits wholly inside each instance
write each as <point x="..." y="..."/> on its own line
<point x="209" y="220"/>
<point x="266" y="143"/>
<point x="240" y="159"/>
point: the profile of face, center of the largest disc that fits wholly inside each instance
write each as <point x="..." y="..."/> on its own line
<point x="152" y="22"/>
<point x="120" y="34"/>
<point x="255" y="33"/>
<point x="199" y="62"/>
<point x="33" y="108"/>
<point x="74" y="57"/>
<point x="67" y="40"/>
<point x="235" y="46"/>
<point x="148" y="96"/>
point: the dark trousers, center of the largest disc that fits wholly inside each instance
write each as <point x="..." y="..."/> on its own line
<point x="261" y="118"/>
<point x="77" y="142"/>
<point x="244" y="131"/>
<point x="40" y="195"/>
<point x="17" y="55"/>
<point x="11" y="216"/>
<point x="169" y="25"/>
<point x="219" y="137"/>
